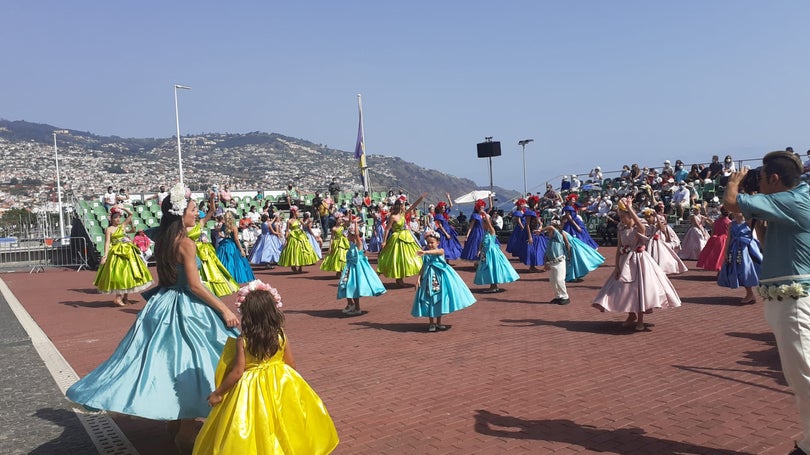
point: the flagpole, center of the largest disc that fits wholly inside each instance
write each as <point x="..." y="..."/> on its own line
<point x="360" y="148"/>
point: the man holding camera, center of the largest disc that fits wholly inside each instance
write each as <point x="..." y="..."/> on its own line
<point x="783" y="201"/>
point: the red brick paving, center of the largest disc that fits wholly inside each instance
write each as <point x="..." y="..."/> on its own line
<point x="514" y="374"/>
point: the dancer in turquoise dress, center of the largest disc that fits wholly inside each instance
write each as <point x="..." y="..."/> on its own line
<point x="358" y="279"/>
<point x="439" y="289"/>
<point x="231" y="252"/>
<point x="493" y="267"/>
<point x="122" y="269"/>
<point x="298" y="250"/>
<point x="743" y="258"/>
<point x="163" y="369"/>
<point x="583" y="260"/>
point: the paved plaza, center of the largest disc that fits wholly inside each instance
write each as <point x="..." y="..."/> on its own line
<point x="514" y="374"/>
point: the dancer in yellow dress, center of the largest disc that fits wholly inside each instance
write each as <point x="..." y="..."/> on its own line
<point x="298" y="251"/>
<point x="213" y="273"/>
<point x="398" y="258"/>
<point x="335" y="260"/>
<point x="122" y="269"/>
<point x="261" y="404"/>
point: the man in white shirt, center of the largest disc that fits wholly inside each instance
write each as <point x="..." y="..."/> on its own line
<point x="680" y="199"/>
<point x="110" y="198"/>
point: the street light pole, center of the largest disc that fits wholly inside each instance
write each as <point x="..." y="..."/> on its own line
<point x="59" y="191"/>
<point x="523" y="144"/>
<point x="177" y="120"/>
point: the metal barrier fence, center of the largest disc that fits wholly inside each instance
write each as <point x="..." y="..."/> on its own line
<point x="37" y="254"/>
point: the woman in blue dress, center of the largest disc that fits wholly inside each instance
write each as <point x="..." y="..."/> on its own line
<point x="475" y="234"/>
<point x="267" y="249"/>
<point x="493" y="267"/>
<point x="377" y="231"/>
<point x="449" y="237"/>
<point x="439" y="289"/>
<point x="231" y="253"/>
<point x="517" y="241"/>
<point x="357" y="279"/>
<point x="534" y="252"/>
<point x="163" y="369"/>
<point x="574" y="225"/>
<point x="314" y="240"/>
<point x="743" y="257"/>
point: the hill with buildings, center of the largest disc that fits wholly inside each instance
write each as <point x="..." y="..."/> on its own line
<point x="88" y="163"/>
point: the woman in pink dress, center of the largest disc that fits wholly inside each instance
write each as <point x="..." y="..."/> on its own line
<point x="711" y="256"/>
<point x="638" y="285"/>
<point x="660" y="244"/>
<point x="696" y="237"/>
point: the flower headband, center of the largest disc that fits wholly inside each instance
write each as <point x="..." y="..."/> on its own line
<point x="432" y="233"/>
<point x="257" y="285"/>
<point x="178" y="196"/>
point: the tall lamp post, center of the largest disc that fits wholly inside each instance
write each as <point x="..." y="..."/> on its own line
<point x="523" y="144"/>
<point x="59" y="188"/>
<point x="177" y="121"/>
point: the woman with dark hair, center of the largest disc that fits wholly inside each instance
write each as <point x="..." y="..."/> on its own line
<point x="163" y="369"/>
<point x="399" y="255"/>
<point x="447" y="233"/>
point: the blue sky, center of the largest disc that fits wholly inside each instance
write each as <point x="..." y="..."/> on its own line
<point x="592" y="82"/>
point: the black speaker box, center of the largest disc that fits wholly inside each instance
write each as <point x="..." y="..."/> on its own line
<point x="488" y="149"/>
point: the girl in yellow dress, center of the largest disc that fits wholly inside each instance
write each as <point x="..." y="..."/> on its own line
<point x="213" y="273"/>
<point x="122" y="269"/>
<point x="335" y="261"/>
<point x="398" y="258"/>
<point x="261" y="404"/>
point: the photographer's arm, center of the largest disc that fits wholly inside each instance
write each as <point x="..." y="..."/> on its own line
<point x="732" y="190"/>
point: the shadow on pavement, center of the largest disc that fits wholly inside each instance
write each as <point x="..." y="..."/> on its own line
<point x="603" y="327"/>
<point x="73" y="439"/>
<point x="586" y="436"/>
<point x="401" y="327"/>
<point x="713" y="300"/>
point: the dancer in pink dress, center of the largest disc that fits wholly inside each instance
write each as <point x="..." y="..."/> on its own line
<point x="711" y="256"/>
<point x="638" y="285"/>
<point x="660" y="244"/>
<point x="696" y="237"/>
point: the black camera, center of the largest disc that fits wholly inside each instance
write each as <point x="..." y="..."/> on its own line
<point x="750" y="183"/>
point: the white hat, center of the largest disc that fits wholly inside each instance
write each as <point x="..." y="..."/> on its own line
<point x="666" y="162"/>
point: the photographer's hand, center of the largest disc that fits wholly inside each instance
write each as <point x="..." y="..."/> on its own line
<point x="732" y="190"/>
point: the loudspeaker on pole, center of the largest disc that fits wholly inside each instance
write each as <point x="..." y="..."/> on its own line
<point x="489" y="149"/>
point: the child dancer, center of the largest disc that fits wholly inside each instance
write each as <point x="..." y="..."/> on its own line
<point x="377" y="231"/>
<point x="439" y="289"/>
<point x="267" y="249"/>
<point x="638" y="285"/>
<point x="358" y="278"/>
<point x="122" y="269"/>
<point x="335" y="260"/>
<point x="231" y="253"/>
<point x="660" y="244"/>
<point x="556" y="252"/>
<point x="742" y="259"/>
<point x="261" y="405"/>
<point x="493" y="267"/>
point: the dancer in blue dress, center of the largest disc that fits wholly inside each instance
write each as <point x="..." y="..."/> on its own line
<point x="493" y="267"/>
<point x="358" y="278"/>
<point x="517" y="241"/>
<point x="534" y="253"/>
<point x="267" y="249"/>
<point x="163" y="369"/>
<point x="314" y="240"/>
<point x="377" y="231"/>
<point x="449" y="237"/>
<point x="439" y="289"/>
<point x="475" y="234"/>
<point x="743" y="257"/>
<point x="574" y="225"/>
<point x="231" y="253"/>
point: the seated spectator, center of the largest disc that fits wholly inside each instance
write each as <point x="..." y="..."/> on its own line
<point x="596" y="175"/>
<point x="667" y="169"/>
<point x="122" y="197"/>
<point x="694" y="173"/>
<point x="110" y="198"/>
<point x="625" y="172"/>
<point x="565" y="185"/>
<point x="681" y="200"/>
<point x="680" y="173"/>
<point x="253" y="215"/>
<point x="576" y="184"/>
<point x="728" y="169"/>
<point x="603" y="206"/>
<point x="713" y="171"/>
<point x="635" y="172"/>
<point x="225" y="196"/>
<point x="144" y="244"/>
<point x="497" y="219"/>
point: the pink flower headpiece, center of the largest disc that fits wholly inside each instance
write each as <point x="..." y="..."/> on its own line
<point x="257" y="285"/>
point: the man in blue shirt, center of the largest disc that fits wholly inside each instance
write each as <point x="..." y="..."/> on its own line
<point x="556" y="252"/>
<point x="784" y="202"/>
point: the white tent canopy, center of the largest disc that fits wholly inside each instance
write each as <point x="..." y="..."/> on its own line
<point x="473" y="196"/>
